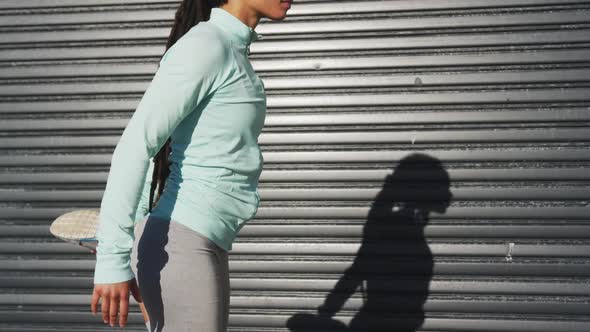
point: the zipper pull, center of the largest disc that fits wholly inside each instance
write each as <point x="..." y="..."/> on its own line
<point x="248" y="50"/>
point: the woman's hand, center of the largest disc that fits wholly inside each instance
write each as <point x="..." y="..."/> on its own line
<point x="115" y="297"/>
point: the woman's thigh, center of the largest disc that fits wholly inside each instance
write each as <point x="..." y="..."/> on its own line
<point x="183" y="277"/>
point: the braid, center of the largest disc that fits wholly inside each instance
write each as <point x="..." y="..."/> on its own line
<point x="188" y="14"/>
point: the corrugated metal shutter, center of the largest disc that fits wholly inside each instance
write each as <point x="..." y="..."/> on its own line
<point x="372" y="104"/>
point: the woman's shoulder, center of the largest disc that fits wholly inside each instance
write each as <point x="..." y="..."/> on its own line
<point x="203" y="41"/>
<point x="207" y="34"/>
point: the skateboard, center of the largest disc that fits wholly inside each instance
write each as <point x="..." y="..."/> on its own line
<point x="79" y="228"/>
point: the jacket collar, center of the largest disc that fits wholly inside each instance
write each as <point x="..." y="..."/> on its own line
<point x="236" y="29"/>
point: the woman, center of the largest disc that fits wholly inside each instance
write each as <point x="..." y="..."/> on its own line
<point x="199" y="122"/>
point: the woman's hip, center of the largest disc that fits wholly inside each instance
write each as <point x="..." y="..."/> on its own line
<point x="181" y="273"/>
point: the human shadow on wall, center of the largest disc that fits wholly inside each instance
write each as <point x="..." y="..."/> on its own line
<point x="393" y="266"/>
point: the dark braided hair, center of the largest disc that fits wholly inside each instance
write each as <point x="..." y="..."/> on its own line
<point x="188" y="14"/>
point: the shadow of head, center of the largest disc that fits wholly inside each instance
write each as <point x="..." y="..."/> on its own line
<point x="419" y="183"/>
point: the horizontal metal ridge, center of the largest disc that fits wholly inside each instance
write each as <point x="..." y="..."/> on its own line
<point x="77" y="3"/>
<point x="473" y="324"/>
<point x="417" y="250"/>
<point x="318" y="65"/>
<point x="375" y="99"/>
<point x="457" y="267"/>
<point x="394" y="303"/>
<point x="520" y="118"/>
<point x="323" y="8"/>
<point x="341" y="26"/>
<point x="344" y="194"/>
<point x="414" y="137"/>
<point x="422" y="81"/>
<point x="557" y="174"/>
<point x="514" y="39"/>
<point x="360" y="157"/>
<point x="536" y="286"/>
<point x="260" y="230"/>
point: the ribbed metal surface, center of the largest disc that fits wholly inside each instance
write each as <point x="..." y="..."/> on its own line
<point x="497" y="91"/>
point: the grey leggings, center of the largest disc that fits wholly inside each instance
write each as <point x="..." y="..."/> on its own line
<point x="183" y="277"/>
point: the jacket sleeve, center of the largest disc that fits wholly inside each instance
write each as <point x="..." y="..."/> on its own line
<point x="189" y="72"/>
<point x="143" y="205"/>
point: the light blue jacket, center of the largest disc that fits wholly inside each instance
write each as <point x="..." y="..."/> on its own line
<point x="207" y="97"/>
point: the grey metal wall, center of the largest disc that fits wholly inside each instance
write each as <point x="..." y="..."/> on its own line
<point x="496" y="91"/>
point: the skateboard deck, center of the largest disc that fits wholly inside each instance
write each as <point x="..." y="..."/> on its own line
<point x="77" y="227"/>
